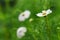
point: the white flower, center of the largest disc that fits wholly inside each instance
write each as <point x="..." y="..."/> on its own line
<point x="44" y="13"/>
<point x="21" y="32"/>
<point x="24" y="15"/>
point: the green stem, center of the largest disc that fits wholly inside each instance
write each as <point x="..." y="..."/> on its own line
<point x="48" y="31"/>
<point x="0" y="8"/>
<point x="6" y="33"/>
<point x="7" y="4"/>
<point x="46" y="20"/>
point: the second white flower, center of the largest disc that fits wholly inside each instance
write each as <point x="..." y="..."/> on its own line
<point x="24" y="15"/>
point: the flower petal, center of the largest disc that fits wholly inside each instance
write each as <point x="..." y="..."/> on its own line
<point x="44" y="11"/>
<point x="40" y="15"/>
<point x="48" y="11"/>
<point x="27" y="13"/>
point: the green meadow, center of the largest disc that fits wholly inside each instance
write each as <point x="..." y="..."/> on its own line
<point x="41" y="28"/>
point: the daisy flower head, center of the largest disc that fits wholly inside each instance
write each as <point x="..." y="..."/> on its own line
<point x="21" y="32"/>
<point x="24" y="15"/>
<point x="44" y="13"/>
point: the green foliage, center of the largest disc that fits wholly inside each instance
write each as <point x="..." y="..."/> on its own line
<point x="45" y="28"/>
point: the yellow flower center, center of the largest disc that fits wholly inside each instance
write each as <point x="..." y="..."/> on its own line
<point x="44" y="13"/>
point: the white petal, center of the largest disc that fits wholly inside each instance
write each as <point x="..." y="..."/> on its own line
<point x="48" y="11"/>
<point x="21" y="17"/>
<point x="27" y="14"/>
<point x="39" y="15"/>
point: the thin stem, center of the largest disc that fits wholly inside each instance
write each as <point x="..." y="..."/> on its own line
<point x="7" y="4"/>
<point x="6" y="30"/>
<point x="47" y="28"/>
<point x="6" y="34"/>
<point x="0" y="9"/>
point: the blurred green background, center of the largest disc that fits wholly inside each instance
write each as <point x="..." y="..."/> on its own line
<point x="39" y="28"/>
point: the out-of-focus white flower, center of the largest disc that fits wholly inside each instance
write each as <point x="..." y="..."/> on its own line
<point x="44" y="13"/>
<point x="21" y="32"/>
<point x="24" y="15"/>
